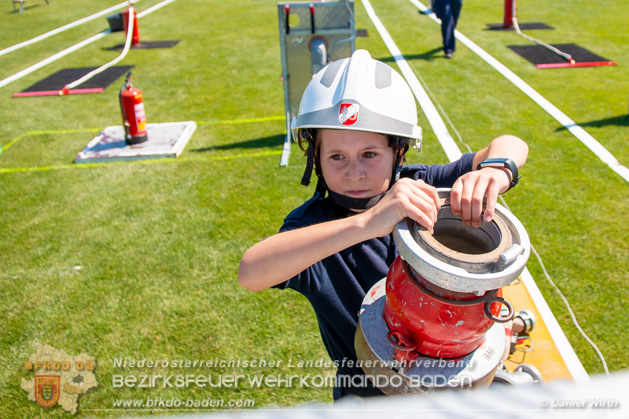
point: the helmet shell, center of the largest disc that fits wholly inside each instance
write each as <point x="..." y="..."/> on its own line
<point x="361" y="94"/>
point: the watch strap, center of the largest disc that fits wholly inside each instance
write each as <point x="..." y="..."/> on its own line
<point x="507" y="163"/>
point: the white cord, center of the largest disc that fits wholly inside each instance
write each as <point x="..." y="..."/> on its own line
<point x="104" y="67"/>
<point x="565" y="301"/>
<point x="574" y="318"/>
<point x="537" y="41"/>
<point x="504" y="203"/>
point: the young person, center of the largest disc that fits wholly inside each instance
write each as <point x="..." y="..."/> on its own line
<point x="357" y="119"/>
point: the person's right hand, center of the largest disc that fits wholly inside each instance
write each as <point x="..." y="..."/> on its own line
<point x="414" y="199"/>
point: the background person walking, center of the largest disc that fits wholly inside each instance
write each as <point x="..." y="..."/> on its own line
<point x="448" y="11"/>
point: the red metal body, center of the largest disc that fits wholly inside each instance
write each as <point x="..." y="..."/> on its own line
<point x="125" y="24"/>
<point x="133" y="116"/>
<point x="431" y="326"/>
<point x="510" y="10"/>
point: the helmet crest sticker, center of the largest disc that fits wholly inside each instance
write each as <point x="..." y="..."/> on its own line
<point x="348" y="114"/>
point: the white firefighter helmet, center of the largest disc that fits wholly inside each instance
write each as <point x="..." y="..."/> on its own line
<point x="362" y="94"/>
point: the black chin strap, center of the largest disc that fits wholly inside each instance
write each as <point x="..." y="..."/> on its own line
<point x="305" y="180"/>
<point x="397" y="167"/>
<point x="355" y="203"/>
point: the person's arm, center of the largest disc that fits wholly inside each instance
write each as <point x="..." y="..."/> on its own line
<point x="282" y="256"/>
<point x="466" y="198"/>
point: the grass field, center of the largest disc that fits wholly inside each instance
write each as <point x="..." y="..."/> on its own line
<point x="139" y="260"/>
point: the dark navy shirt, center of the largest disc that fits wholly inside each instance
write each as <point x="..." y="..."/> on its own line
<point x="336" y="285"/>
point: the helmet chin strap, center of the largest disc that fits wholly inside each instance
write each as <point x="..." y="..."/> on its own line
<point x="356" y="204"/>
<point x="305" y="180"/>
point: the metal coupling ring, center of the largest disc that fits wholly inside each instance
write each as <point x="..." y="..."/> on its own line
<point x="500" y="318"/>
<point x="500" y="258"/>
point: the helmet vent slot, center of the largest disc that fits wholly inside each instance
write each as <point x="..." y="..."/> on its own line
<point x="383" y="75"/>
<point x="330" y="73"/>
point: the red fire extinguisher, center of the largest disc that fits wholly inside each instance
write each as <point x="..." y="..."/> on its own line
<point x="125" y="25"/>
<point x="133" y="116"/>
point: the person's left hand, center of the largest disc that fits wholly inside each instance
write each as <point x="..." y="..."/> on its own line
<point x="468" y="192"/>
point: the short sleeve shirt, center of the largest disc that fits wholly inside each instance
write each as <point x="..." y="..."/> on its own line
<point x="336" y="285"/>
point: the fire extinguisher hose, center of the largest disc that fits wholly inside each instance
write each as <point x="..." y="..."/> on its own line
<point x="125" y="50"/>
<point x="125" y="124"/>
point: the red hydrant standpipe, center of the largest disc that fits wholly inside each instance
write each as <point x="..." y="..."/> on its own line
<point x="436" y="321"/>
<point x="510" y="11"/>
<point x="441" y="301"/>
<point x="125" y="24"/>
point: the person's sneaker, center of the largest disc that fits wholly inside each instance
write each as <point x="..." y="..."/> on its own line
<point x="448" y="55"/>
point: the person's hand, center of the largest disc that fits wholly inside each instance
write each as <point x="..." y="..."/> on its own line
<point x="468" y="192"/>
<point x="414" y="199"/>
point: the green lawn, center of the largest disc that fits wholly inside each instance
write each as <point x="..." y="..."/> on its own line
<point x="139" y="260"/>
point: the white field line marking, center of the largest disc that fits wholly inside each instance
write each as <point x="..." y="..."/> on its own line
<point x="62" y="28"/>
<point x="590" y="142"/>
<point x="567" y="352"/>
<point x="73" y="48"/>
<point x="154" y="8"/>
<point x="437" y="124"/>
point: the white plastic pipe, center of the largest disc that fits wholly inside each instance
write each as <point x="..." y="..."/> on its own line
<point x="104" y="67"/>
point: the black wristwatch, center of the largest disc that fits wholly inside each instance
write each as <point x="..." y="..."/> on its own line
<point x="508" y="163"/>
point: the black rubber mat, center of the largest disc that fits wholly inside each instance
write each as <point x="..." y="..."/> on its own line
<point x="58" y="80"/>
<point x="523" y="26"/>
<point x="540" y="56"/>
<point x="147" y="45"/>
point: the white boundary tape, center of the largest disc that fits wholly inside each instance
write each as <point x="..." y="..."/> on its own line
<point x="590" y="142"/>
<point x="452" y="151"/>
<point x="63" y="28"/>
<point x="437" y="124"/>
<point x="73" y="48"/>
